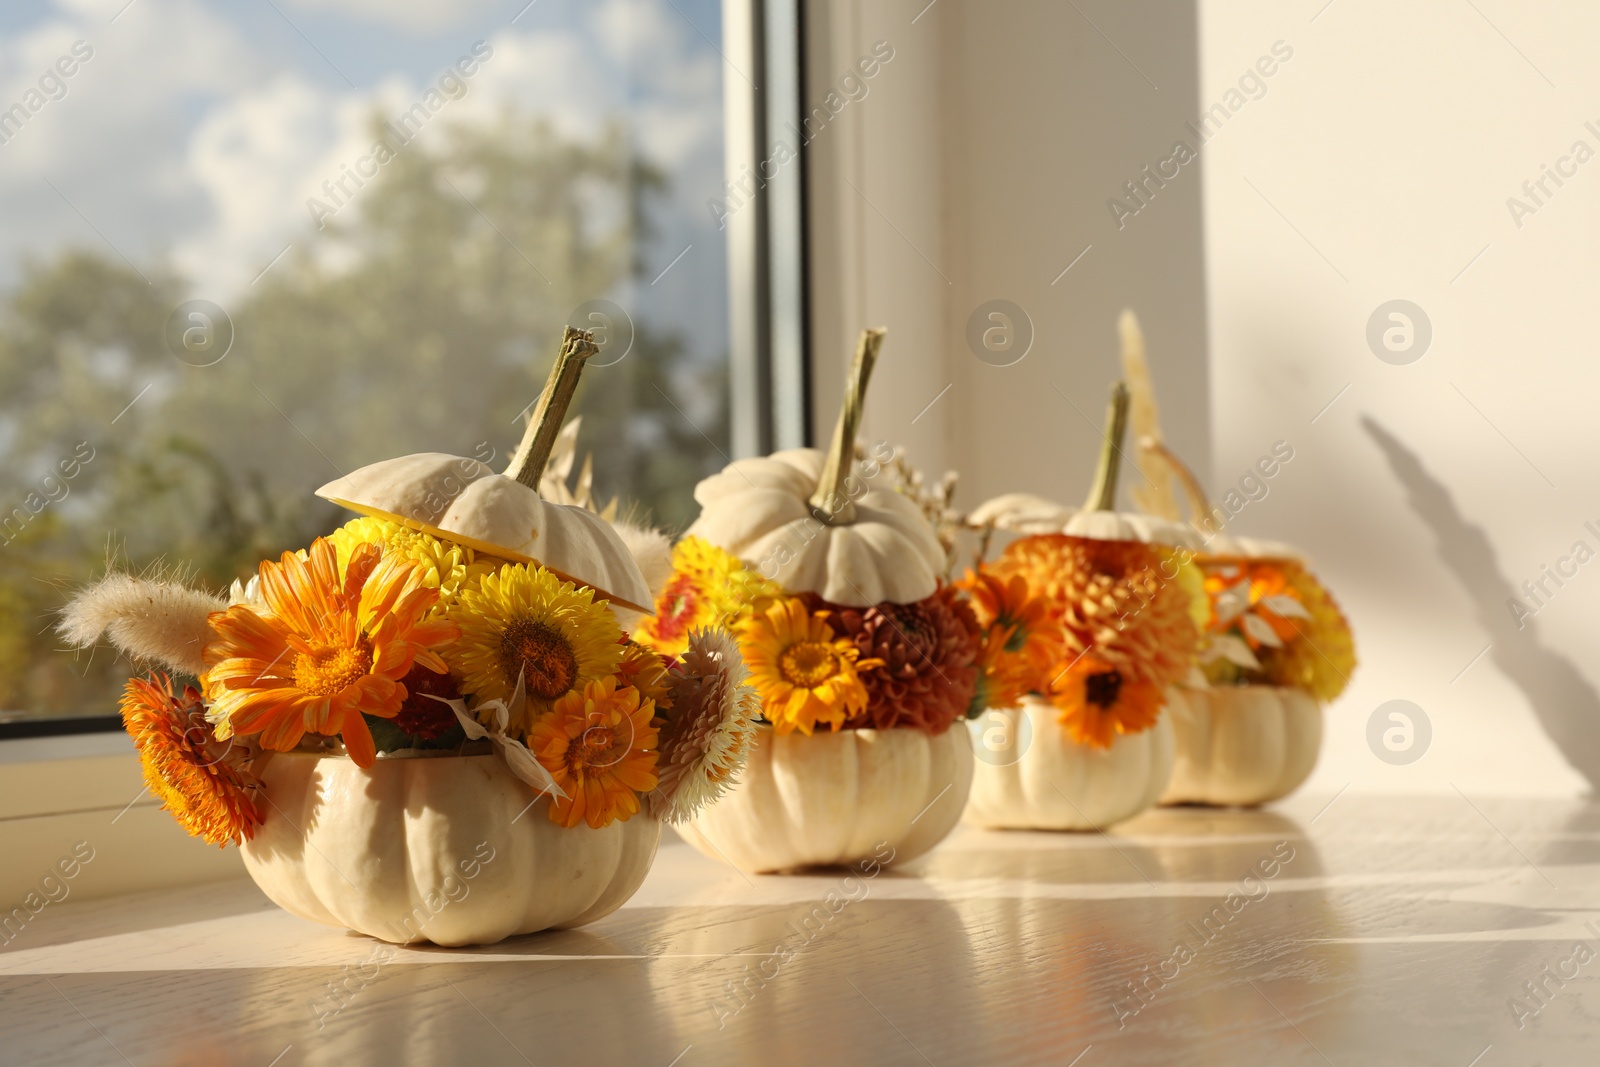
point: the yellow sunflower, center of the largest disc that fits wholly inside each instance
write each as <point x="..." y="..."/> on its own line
<point x="525" y="621"/>
<point x="805" y="673"/>
<point x="444" y="565"/>
<point x="709" y="587"/>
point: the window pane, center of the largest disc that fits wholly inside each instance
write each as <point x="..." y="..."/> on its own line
<point x="247" y="247"/>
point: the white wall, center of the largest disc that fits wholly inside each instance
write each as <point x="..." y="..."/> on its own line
<point x="1375" y="166"/>
<point x="1391" y="142"/>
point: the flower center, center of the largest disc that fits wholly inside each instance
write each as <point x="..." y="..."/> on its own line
<point x="331" y="668"/>
<point x="543" y="657"/>
<point x="1101" y="689"/>
<point x="808" y="664"/>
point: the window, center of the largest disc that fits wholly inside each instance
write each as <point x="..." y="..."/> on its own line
<point x="250" y="247"/>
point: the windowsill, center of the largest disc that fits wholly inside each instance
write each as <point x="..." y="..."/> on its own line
<point x="63" y="747"/>
<point x="56" y="792"/>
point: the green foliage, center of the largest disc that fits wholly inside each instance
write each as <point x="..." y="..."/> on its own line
<point x="423" y="318"/>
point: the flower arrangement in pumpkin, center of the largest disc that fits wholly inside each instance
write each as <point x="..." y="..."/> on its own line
<point x="820" y="665"/>
<point x="1271" y="622"/>
<point x="385" y="641"/>
<point x="1098" y="628"/>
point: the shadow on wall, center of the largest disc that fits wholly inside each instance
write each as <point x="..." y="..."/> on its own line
<point x="1566" y="705"/>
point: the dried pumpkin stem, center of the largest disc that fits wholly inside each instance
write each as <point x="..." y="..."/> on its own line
<point x="1103" y="494"/>
<point x="830" y="504"/>
<point x="1199" y="506"/>
<point x="527" y="465"/>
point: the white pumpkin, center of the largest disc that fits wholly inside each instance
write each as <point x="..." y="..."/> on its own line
<point x="802" y="520"/>
<point x="463" y="500"/>
<point x="1244" y="744"/>
<point x="831" y="798"/>
<point x="760" y="510"/>
<point x="1026" y="513"/>
<point x="453" y="850"/>
<point x="1030" y="775"/>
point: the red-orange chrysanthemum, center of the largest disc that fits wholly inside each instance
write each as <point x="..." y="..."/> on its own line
<point x="326" y="651"/>
<point x="927" y="660"/>
<point x="204" y="783"/>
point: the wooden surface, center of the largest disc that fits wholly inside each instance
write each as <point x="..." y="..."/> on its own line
<point x="1398" y="933"/>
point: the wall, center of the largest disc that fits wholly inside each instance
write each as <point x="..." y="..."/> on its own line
<point x="977" y="169"/>
<point x="1373" y="164"/>
<point x="1377" y="166"/>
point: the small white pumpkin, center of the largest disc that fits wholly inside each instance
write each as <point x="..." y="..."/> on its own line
<point x="453" y="850"/>
<point x="805" y="522"/>
<point x="463" y="500"/>
<point x="831" y="798"/>
<point x="1243" y="744"/>
<point x="1032" y="776"/>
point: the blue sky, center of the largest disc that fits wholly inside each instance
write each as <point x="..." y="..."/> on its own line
<point x="199" y="127"/>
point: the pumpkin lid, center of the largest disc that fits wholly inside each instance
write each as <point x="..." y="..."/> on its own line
<point x="463" y="500"/>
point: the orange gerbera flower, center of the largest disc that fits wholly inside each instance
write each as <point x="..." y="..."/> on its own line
<point x="1097" y="701"/>
<point x="805" y="673"/>
<point x="599" y="746"/>
<point x="204" y="783"/>
<point x="326" y="652"/>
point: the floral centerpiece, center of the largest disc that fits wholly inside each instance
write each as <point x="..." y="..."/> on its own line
<point x="862" y="658"/>
<point x="430" y="724"/>
<point x="1276" y="646"/>
<point x="1090" y="618"/>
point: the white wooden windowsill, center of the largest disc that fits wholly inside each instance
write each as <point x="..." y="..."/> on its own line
<point x="58" y="791"/>
<point x="1399" y="933"/>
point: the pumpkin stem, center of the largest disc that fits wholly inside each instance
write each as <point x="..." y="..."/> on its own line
<point x="1200" y="512"/>
<point x="830" y="504"/>
<point x="527" y="465"/>
<point x="1103" y="494"/>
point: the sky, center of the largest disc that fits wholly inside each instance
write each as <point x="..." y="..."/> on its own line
<point x="195" y="130"/>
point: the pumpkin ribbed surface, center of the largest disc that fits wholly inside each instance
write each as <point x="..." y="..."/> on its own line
<point x="397" y="851"/>
<point x="831" y="798"/>
<point x="1244" y="744"/>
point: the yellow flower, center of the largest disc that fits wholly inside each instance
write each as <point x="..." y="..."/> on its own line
<point x="1288" y="619"/>
<point x="805" y="673"/>
<point x="524" y="620"/>
<point x="599" y="745"/>
<point x="709" y="587"/>
<point x="444" y="565"/>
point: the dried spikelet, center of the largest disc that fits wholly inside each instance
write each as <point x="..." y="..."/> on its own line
<point x="157" y="619"/>
<point x="1157" y="496"/>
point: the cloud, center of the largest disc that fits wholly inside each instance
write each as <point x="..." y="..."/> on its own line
<point x="413" y="16"/>
<point x="182" y="137"/>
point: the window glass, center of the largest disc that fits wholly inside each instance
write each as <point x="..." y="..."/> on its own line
<point x="248" y="247"/>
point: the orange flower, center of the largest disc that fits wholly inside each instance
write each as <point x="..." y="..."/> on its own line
<point x="1289" y="621"/>
<point x="325" y="652"/>
<point x="204" y="783"/>
<point x="1020" y="642"/>
<point x="1124" y="600"/>
<point x="599" y="746"/>
<point x="647" y="672"/>
<point x="1098" y="702"/>
<point x="805" y="673"/>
